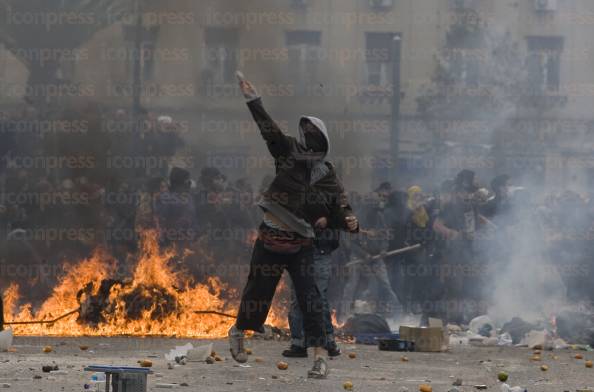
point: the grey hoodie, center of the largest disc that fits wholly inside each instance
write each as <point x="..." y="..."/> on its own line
<point x="319" y="168"/>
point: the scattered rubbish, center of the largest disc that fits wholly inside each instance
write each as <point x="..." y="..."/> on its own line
<point x="507" y="388"/>
<point x="395" y="344"/>
<point x="537" y="340"/>
<point x="502" y="376"/>
<point x="218" y="358"/>
<point x="245" y="365"/>
<point x="123" y="378"/>
<point x="480" y="387"/>
<point x="83" y="348"/>
<point x="165" y="385"/>
<point x="518" y="328"/>
<point x="579" y="356"/>
<point x="6" y="338"/>
<point x="49" y="368"/>
<point x="199" y="354"/>
<point x="425" y="388"/>
<point x="145" y="363"/>
<point x="282" y="365"/>
<point x="482" y="325"/>
<point x="258" y="360"/>
<point x="458" y="382"/>
<point x="505" y="340"/>
<point x="352" y="355"/>
<point x="430" y="339"/>
<point x="366" y="328"/>
<point x="210" y="360"/>
<point x="348" y="386"/>
<point x="59" y="372"/>
<point x="492" y="341"/>
<point x="535" y="358"/>
<point x="403" y="359"/>
<point x="191" y="353"/>
<point x="48" y="349"/>
<point x="589" y="364"/>
<point x="560" y="344"/>
<point x="96" y="383"/>
<point x="178" y="351"/>
<point x="544" y="368"/>
<point x="248" y="351"/>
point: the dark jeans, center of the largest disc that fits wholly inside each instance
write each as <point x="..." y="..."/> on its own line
<point x="266" y="269"/>
<point x="322" y="270"/>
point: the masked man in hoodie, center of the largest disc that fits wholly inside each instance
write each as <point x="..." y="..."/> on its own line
<point x="304" y="196"/>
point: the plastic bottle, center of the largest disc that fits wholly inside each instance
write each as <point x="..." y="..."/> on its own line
<point x="96" y="383"/>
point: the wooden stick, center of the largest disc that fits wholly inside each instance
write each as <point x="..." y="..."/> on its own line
<point x="387" y="254"/>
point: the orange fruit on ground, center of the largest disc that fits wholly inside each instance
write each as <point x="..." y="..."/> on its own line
<point x="425" y="388"/>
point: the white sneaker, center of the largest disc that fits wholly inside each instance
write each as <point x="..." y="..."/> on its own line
<point x="319" y="370"/>
<point x="236" y="345"/>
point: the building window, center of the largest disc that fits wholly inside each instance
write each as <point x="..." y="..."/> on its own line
<point x="304" y="55"/>
<point x="544" y="63"/>
<point x="379" y="58"/>
<point x="149" y="36"/>
<point x="220" y="57"/>
<point x="465" y="67"/>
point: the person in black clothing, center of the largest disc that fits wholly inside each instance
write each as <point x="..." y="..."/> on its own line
<point x="373" y="241"/>
<point x="457" y="224"/>
<point x="499" y="204"/>
<point x="175" y="209"/>
<point x="418" y="229"/>
<point x="305" y="194"/>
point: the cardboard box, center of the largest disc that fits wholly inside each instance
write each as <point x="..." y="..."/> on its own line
<point x="430" y="339"/>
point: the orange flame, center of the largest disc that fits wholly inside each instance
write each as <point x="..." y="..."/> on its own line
<point x="153" y="271"/>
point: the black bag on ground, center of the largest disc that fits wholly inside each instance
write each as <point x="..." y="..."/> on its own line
<point x="366" y="324"/>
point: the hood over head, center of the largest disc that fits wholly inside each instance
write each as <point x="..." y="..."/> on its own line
<point x="320" y="126"/>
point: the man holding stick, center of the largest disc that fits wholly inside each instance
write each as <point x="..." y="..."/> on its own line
<point x="305" y="194"/>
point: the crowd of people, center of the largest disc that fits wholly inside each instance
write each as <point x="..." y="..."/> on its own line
<point x="455" y="236"/>
<point x="460" y="226"/>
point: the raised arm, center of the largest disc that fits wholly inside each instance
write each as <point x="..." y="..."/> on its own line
<point x="278" y="143"/>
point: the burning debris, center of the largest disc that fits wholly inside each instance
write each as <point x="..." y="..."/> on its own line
<point x="158" y="299"/>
